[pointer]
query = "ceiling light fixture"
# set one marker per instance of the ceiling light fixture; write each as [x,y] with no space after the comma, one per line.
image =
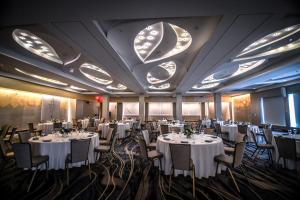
[206,86]
[42,78]
[35,45]
[160,87]
[117,87]
[153,35]
[95,74]
[170,68]
[77,88]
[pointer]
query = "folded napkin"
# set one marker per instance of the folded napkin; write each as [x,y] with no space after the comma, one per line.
[208,141]
[167,138]
[184,142]
[49,140]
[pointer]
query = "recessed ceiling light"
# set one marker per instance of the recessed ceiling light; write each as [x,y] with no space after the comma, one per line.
[206,86]
[42,77]
[95,74]
[169,67]
[155,34]
[117,87]
[160,87]
[77,88]
[33,44]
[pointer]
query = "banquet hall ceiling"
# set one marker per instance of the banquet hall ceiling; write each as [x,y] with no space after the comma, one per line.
[151,48]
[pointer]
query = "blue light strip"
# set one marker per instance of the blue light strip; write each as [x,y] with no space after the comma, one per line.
[262,110]
[292,110]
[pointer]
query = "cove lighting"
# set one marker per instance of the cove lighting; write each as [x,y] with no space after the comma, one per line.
[95,74]
[170,68]
[206,86]
[117,87]
[77,88]
[160,87]
[42,78]
[35,45]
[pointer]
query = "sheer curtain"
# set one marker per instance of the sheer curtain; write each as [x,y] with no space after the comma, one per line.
[130,109]
[160,109]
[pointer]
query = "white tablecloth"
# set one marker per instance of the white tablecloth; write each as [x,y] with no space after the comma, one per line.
[129,121]
[84,122]
[290,164]
[175,126]
[202,153]
[232,129]
[48,126]
[163,121]
[120,130]
[60,147]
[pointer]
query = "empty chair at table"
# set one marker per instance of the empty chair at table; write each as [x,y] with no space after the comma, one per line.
[57,126]
[6,153]
[259,147]
[164,128]
[24,136]
[104,149]
[181,160]
[150,145]
[175,129]
[242,129]
[91,129]
[5,129]
[91,122]
[223,135]
[232,162]
[286,149]
[79,153]
[24,159]
[238,138]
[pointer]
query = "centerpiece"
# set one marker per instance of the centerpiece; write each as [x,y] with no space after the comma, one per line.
[188,132]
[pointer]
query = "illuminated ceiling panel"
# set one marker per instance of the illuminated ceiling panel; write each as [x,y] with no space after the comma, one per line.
[35,45]
[95,74]
[149,39]
[117,87]
[205,86]
[161,73]
[77,88]
[160,87]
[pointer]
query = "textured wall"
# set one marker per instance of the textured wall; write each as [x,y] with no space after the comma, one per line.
[241,107]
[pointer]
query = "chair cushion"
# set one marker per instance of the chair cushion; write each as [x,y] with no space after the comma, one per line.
[154,154]
[104,142]
[229,150]
[265,146]
[37,160]
[225,159]
[152,145]
[102,149]
[10,154]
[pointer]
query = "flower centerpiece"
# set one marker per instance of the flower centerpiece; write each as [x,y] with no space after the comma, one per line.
[188,132]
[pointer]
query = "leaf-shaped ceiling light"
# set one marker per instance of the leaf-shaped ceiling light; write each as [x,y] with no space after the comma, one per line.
[149,39]
[117,87]
[161,73]
[95,74]
[281,41]
[205,86]
[42,78]
[160,87]
[35,45]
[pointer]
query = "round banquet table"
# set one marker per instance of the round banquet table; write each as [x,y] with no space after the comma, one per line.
[174,126]
[59,147]
[202,153]
[129,121]
[48,126]
[232,129]
[120,130]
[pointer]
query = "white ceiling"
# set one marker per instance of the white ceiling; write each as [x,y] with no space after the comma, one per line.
[103,34]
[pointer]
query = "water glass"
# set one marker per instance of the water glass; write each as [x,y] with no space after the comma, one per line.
[290,131]
[294,131]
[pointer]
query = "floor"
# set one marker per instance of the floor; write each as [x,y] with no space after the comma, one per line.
[122,175]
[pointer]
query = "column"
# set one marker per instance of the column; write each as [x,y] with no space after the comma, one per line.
[119,111]
[202,110]
[142,107]
[179,107]
[105,107]
[218,106]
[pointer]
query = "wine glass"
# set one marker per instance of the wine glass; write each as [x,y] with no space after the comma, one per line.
[294,131]
[290,131]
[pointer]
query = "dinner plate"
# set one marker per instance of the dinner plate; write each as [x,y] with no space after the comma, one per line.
[208,141]
[164,134]
[90,135]
[49,140]
[167,139]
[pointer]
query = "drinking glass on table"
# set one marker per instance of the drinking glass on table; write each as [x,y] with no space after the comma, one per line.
[290,131]
[294,131]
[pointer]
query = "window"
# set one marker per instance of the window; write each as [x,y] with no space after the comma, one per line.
[160,109]
[191,109]
[294,110]
[272,111]
[130,108]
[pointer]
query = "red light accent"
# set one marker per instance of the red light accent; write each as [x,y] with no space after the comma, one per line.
[99,99]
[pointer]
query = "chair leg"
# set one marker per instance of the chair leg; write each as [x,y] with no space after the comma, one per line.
[31,181]
[170,179]
[194,195]
[217,168]
[254,152]
[67,174]
[46,163]
[237,187]
[89,170]
[270,156]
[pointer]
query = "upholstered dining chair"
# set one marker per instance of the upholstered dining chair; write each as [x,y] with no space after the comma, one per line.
[267,134]
[223,135]
[91,129]
[105,149]
[5,151]
[5,129]
[10,138]
[24,136]
[57,126]
[238,138]
[209,131]
[286,149]
[232,162]
[150,145]
[259,147]
[242,129]
[181,160]
[154,130]
[79,153]
[24,159]
[164,128]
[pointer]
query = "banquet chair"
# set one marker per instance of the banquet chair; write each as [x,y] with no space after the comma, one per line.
[176,129]
[24,136]
[24,159]
[91,122]
[286,149]
[102,149]
[149,155]
[31,128]
[187,126]
[209,131]
[238,138]
[108,137]
[102,120]
[74,121]
[242,129]
[10,138]
[91,129]
[79,153]
[57,126]
[232,162]
[267,134]
[269,147]
[5,129]
[5,152]
[220,133]
[181,160]
[164,128]
[154,130]
[150,145]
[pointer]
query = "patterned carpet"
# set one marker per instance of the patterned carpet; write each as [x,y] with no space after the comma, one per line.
[122,175]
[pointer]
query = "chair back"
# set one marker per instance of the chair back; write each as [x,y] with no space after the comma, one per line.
[3,146]
[24,136]
[218,128]
[253,137]
[175,129]
[238,154]
[143,148]
[13,132]
[5,129]
[209,131]
[268,135]
[74,121]
[91,122]
[102,120]
[181,156]
[187,126]
[146,136]
[242,129]
[57,125]
[30,127]
[109,134]
[80,150]
[240,137]
[286,147]
[91,129]
[23,157]
[164,128]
